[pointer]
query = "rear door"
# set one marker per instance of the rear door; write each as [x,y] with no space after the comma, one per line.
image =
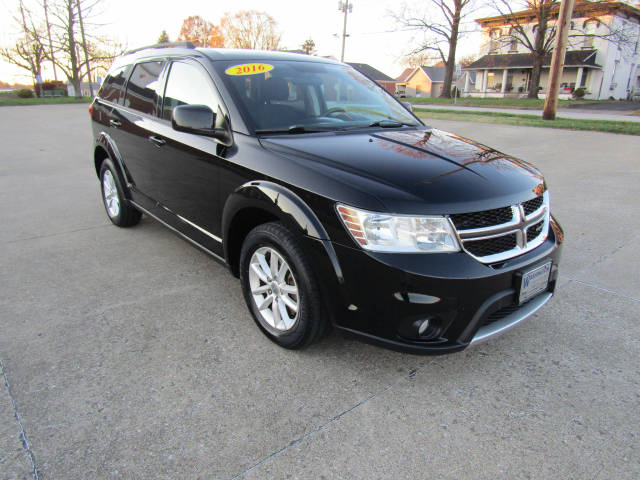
[135,122]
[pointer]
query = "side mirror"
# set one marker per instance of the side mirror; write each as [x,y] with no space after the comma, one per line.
[407,105]
[198,119]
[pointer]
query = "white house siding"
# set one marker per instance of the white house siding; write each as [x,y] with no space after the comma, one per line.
[620,74]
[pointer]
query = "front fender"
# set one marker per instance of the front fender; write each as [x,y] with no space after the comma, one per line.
[283,204]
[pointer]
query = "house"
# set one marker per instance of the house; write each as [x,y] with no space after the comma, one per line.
[603,54]
[85,89]
[385,81]
[426,81]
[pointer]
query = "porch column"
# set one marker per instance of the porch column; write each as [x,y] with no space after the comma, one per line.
[505,77]
[485,78]
[579,77]
[467,81]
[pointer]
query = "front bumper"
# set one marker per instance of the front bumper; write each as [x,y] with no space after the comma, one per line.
[383,296]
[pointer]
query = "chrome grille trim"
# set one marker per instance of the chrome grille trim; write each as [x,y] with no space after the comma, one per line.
[519,224]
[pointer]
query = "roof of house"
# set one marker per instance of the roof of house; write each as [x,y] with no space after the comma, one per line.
[405,75]
[371,72]
[574,58]
[435,74]
[581,9]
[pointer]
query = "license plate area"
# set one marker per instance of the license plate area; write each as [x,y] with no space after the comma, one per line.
[533,282]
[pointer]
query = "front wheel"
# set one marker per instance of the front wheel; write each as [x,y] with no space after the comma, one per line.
[280,288]
[118,209]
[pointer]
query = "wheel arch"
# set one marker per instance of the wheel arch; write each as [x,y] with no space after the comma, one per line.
[260,202]
[106,148]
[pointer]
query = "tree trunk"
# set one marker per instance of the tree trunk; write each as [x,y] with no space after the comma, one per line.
[84,46]
[77,86]
[76,75]
[534,82]
[48,24]
[450,64]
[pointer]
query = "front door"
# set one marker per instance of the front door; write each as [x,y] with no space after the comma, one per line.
[185,167]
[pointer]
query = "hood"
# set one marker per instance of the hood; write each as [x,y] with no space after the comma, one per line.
[419,171]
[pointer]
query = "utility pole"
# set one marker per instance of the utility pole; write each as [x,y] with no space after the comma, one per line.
[347,8]
[557,60]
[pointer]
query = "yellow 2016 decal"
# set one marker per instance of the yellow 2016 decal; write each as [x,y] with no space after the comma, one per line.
[249,69]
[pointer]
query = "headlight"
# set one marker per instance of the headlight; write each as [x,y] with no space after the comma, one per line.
[381,232]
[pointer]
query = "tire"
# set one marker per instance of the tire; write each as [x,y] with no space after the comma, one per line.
[118,209]
[308,325]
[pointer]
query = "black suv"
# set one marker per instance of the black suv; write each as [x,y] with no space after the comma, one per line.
[327,197]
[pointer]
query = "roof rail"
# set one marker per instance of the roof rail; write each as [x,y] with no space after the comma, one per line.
[164,45]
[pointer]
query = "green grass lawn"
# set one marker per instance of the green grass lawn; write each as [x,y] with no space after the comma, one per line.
[628,128]
[11,100]
[525,103]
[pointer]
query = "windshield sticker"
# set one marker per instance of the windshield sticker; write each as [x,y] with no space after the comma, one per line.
[249,69]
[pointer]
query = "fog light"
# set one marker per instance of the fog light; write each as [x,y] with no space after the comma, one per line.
[423,327]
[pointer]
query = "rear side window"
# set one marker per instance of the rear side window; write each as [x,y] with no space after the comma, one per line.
[113,85]
[188,85]
[143,87]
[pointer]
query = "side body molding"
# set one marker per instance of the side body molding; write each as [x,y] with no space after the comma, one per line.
[285,205]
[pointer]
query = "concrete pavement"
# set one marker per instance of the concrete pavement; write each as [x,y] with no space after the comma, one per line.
[130,354]
[562,113]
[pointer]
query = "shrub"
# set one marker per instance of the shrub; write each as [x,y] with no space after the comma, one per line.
[24,93]
[455,92]
[579,93]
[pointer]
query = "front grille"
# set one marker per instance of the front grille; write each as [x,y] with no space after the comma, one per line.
[534,231]
[491,246]
[492,236]
[486,218]
[532,205]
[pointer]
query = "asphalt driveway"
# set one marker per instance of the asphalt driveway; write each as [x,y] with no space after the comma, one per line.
[127,353]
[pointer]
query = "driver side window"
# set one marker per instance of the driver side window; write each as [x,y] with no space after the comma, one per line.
[188,85]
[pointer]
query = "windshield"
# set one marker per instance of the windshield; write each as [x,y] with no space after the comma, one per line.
[302,97]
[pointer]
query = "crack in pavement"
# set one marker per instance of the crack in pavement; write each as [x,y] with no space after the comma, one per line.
[302,438]
[23,435]
[411,374]
[613,292]
[37,237]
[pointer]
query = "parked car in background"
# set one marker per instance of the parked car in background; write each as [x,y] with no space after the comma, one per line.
[332,203]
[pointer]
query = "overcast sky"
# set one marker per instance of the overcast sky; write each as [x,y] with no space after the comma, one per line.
[374,38]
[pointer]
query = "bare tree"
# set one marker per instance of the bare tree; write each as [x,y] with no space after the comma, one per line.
[532,25]
[28,52]
[67,25]
[441,25]
[250,29]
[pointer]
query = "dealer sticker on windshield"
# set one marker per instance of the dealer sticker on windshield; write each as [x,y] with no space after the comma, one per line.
[248,69]
[534,282]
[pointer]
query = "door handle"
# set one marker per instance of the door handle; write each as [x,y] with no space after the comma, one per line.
[159,141]
[115,123]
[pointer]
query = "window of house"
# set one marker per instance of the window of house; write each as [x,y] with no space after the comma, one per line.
[143,87]
[188,85]
[494,40]
[589,27]
[112,86]
[513,40]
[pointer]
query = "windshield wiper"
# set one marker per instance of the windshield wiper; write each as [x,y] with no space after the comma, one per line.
[295,129]
[390,124]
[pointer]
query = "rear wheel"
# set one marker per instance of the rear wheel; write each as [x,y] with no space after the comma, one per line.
[280,288]
[119,211]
